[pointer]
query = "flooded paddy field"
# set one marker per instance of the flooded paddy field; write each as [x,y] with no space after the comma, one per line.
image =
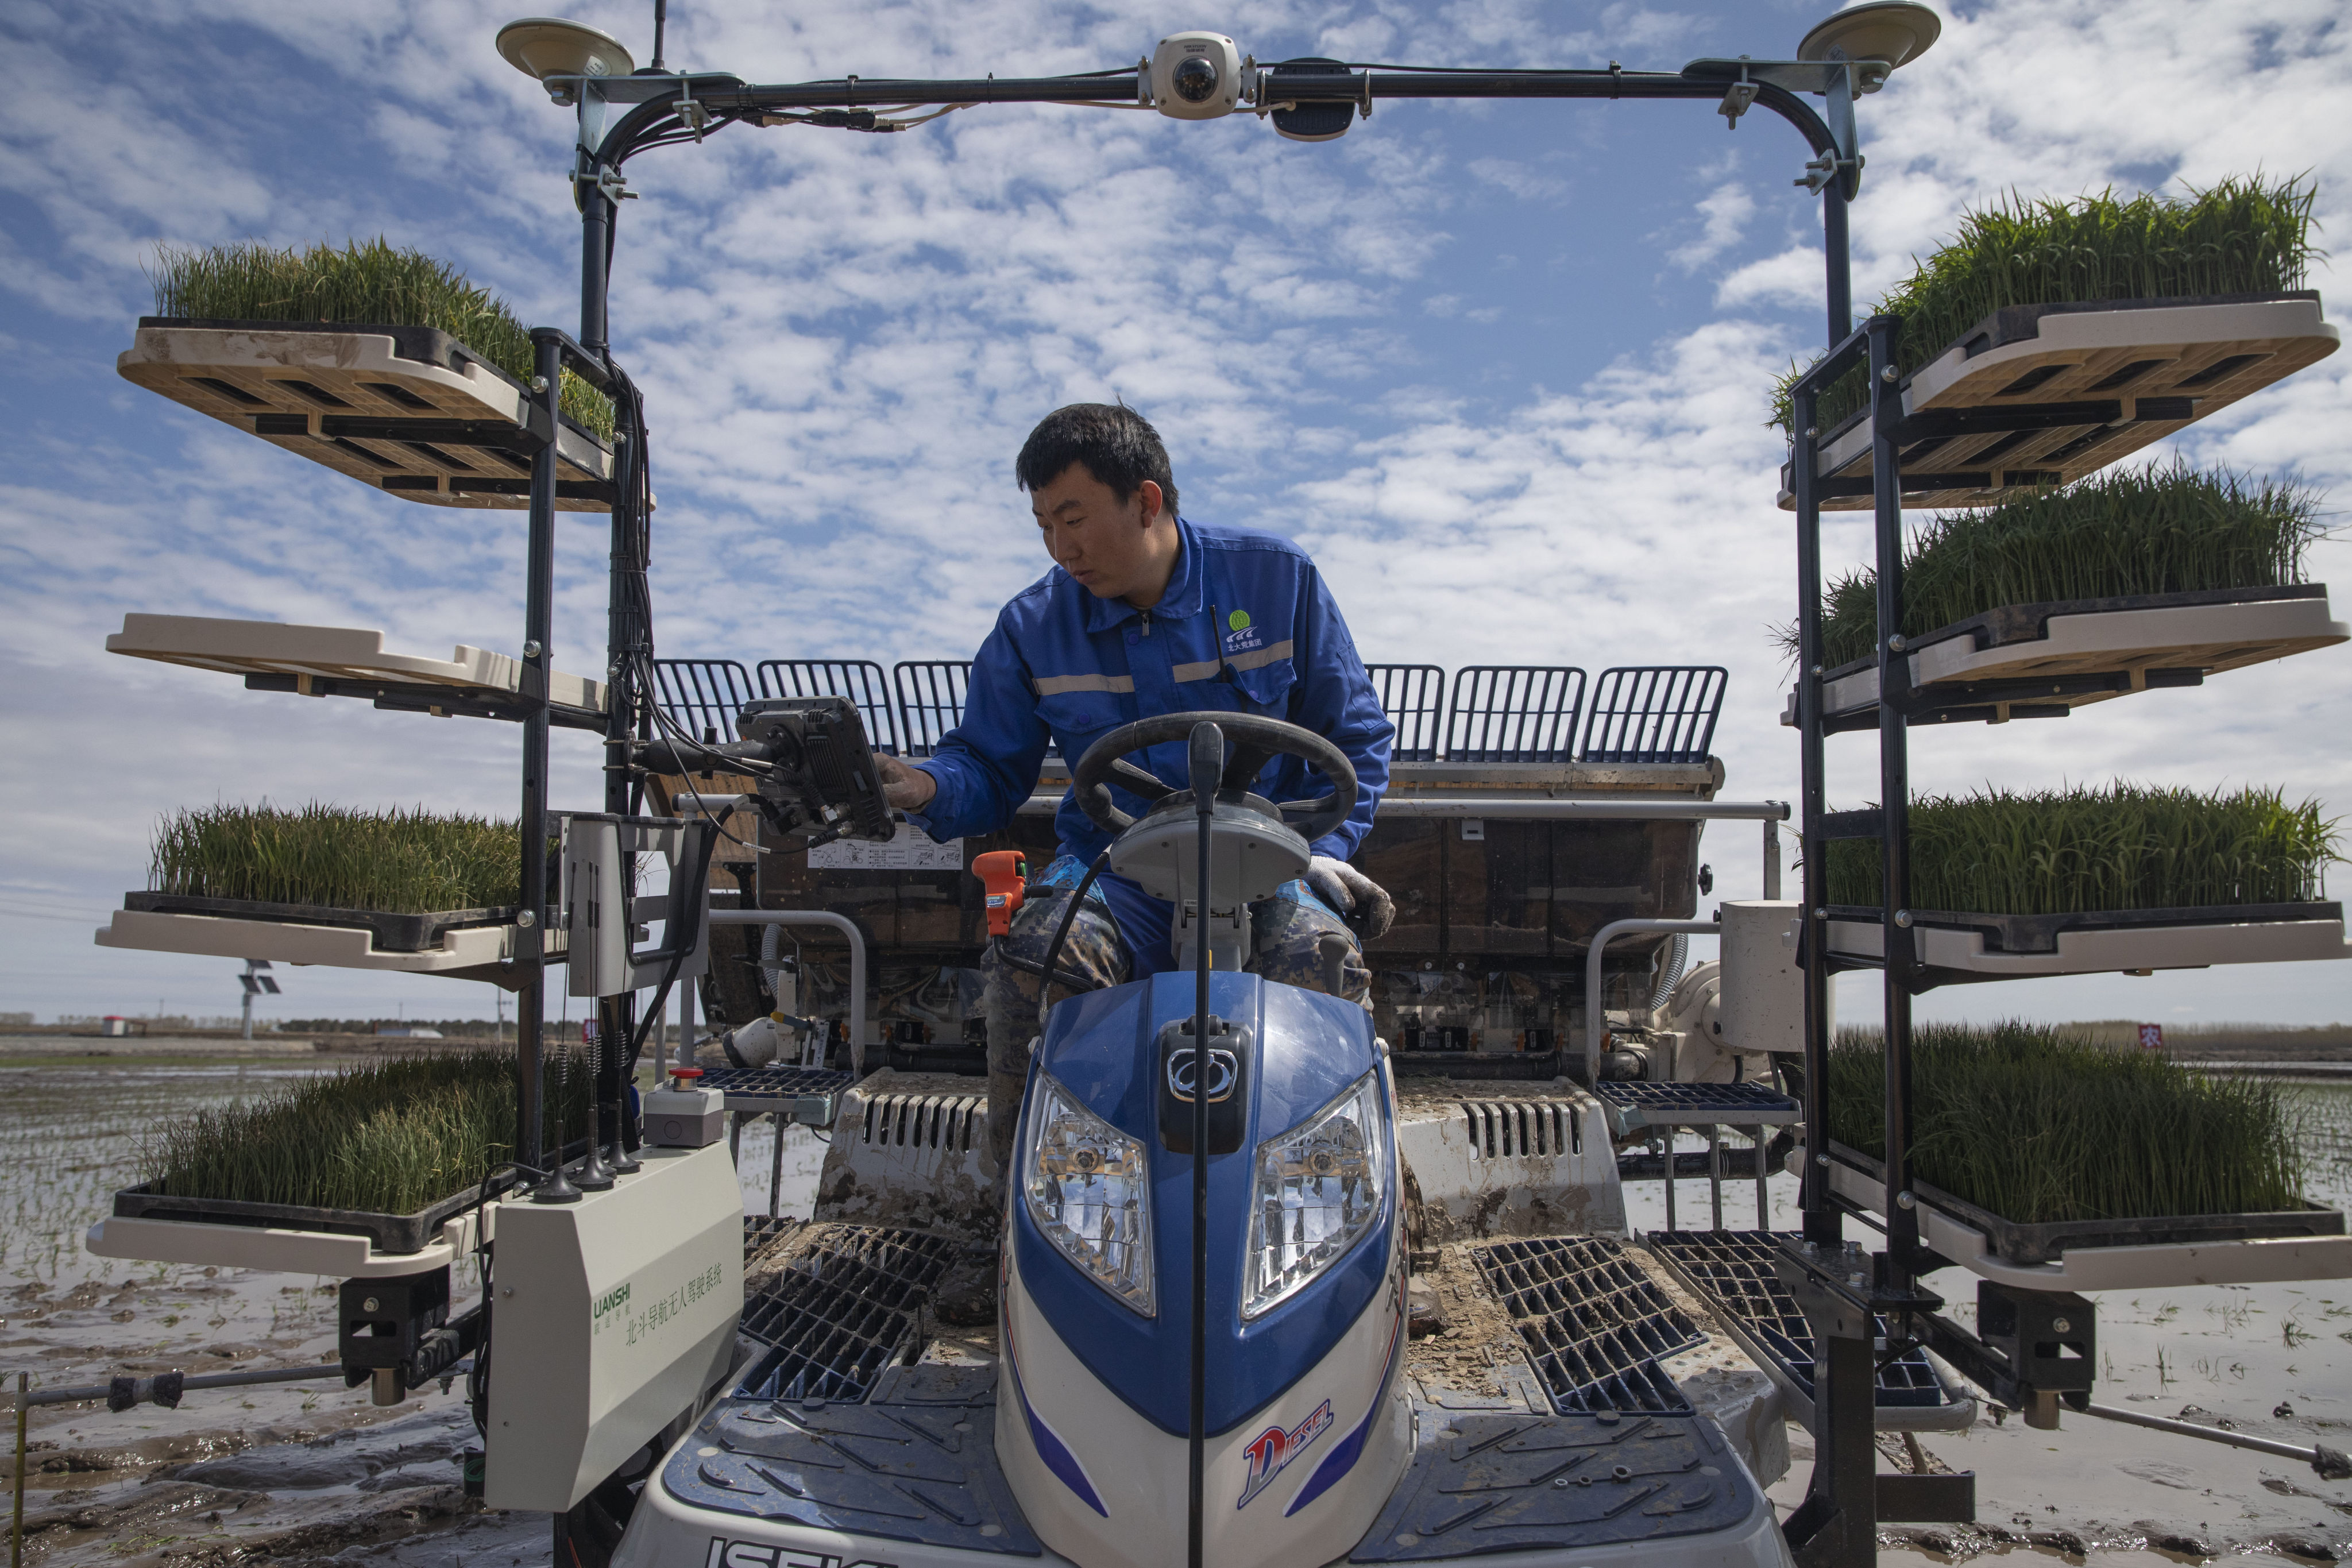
[313,1472]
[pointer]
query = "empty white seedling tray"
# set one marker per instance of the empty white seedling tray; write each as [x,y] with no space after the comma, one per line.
[335,654]
[201,1244]
[467,953]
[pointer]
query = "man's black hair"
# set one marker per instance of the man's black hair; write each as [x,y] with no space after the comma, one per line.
[1117,446]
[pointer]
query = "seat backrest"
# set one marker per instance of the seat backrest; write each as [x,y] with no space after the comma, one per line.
[1414,697]
[1514,713]
[930,700]
[859,679]
[1654,713]
[702,696]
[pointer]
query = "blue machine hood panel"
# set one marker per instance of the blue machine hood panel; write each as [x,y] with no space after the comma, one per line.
[1104,1048]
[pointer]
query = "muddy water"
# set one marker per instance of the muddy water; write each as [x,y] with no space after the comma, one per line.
[310,1472]
[290,1472]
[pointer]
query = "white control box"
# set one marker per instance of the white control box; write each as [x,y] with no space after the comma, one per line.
[609,1318]
[1763,1000]
[684,1117]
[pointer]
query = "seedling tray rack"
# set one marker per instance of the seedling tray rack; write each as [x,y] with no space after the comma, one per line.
[2034,395]
[2030,661]
[2028,398]
[406,410]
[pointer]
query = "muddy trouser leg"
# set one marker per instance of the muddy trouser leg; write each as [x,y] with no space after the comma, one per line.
[1009,997]
[1285,942]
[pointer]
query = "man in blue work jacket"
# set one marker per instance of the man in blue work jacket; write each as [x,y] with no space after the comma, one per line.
[1145,613]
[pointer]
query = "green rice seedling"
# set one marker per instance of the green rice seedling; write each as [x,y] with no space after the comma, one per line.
[365,284]
[2037,1125]
[394,862]
[388,1138]
[2163,528]
[2075,851]
[2243,236]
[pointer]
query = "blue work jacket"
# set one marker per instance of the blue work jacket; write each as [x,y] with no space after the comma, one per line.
[1065,666]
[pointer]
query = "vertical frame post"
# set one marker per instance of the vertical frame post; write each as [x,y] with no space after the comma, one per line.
[1894,792]
[1821,1223]
[538,658]
[1840,279]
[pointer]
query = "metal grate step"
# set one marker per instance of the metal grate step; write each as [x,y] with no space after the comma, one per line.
[1594,1325]
[1635,1105]
[1732,1270]
[760,1232]
[841,1312]
[774,1083]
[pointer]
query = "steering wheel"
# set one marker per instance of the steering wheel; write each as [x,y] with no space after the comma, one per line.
[1256,741]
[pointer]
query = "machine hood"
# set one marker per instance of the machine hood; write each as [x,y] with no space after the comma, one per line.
[1303,1049]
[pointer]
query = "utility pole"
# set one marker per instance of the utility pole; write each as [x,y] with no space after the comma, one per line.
[255,984]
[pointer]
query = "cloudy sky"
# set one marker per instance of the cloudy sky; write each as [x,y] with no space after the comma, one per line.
[1503,368]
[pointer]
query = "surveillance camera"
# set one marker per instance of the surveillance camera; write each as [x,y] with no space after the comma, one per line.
[1196,76]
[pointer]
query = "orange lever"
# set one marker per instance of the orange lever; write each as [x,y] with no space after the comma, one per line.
[1004,874]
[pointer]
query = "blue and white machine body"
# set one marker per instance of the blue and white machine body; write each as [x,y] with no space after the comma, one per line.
[1202,1239]
[1308,1433]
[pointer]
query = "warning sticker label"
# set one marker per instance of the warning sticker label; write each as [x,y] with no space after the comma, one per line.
[911,851]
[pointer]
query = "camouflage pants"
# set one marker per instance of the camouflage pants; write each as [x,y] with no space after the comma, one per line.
[1284,931]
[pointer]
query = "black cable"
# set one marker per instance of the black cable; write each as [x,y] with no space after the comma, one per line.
[1054,953]
[477,1375]
[1068,977]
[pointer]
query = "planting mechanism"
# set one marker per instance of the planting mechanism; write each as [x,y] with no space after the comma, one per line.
[1188,1323]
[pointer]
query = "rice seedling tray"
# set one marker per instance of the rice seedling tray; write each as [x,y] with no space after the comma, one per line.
[394,932]
[2007,1242]
[1954,947]
[2046,659]
[351,661]
[2035,396]
[396,1234]
[407,410]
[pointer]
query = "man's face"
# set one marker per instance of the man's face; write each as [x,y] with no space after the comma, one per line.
[1104,543]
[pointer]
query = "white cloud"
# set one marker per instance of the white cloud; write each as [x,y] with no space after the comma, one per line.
[1723,214]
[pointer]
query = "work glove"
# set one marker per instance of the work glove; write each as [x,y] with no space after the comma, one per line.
[1352,892]
[904,785]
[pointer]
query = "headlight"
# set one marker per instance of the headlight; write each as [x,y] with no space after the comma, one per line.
[1089,1192]
[1319,1190]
